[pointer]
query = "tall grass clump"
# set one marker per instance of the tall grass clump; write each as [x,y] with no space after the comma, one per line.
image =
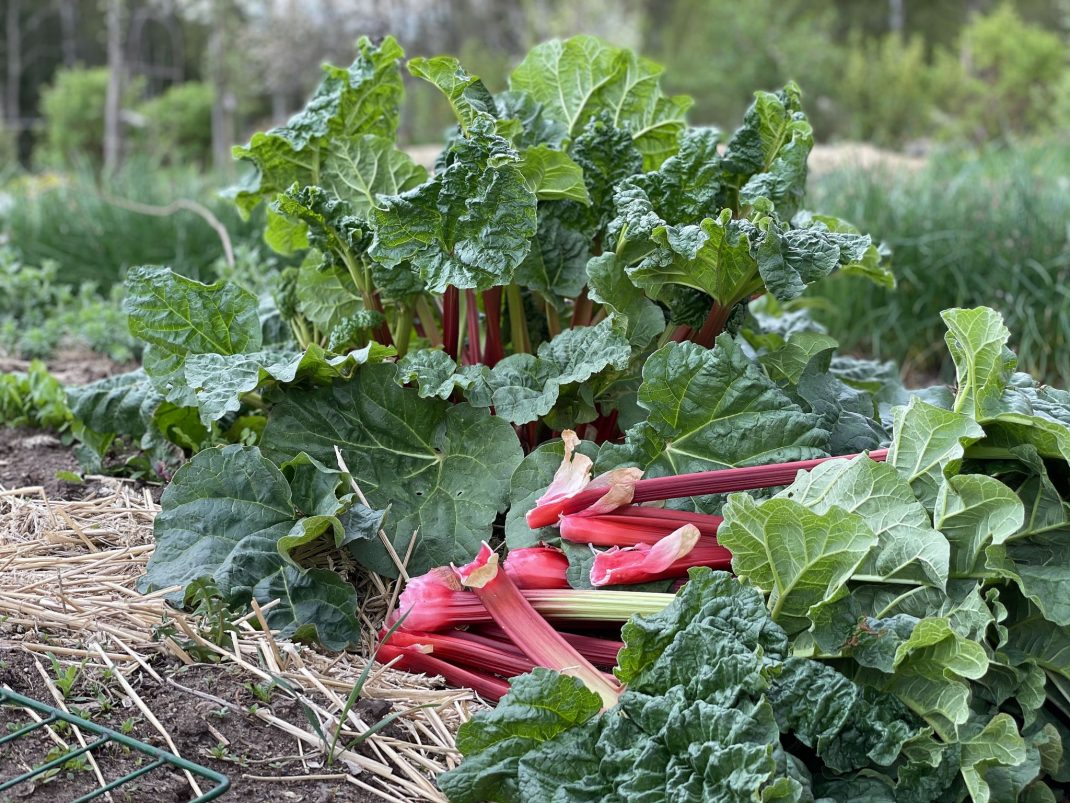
[968,229]
[96,228]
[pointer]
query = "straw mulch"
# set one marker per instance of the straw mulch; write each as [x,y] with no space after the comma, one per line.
[67,587]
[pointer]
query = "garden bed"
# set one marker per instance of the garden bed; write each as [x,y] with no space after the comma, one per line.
[75,632]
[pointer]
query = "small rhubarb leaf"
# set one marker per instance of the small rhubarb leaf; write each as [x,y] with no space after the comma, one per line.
[539,706]
[530,481]
[536,127]
[977,340]
[443,469]
[710,409]
[555,265]
[469,226]
[801,557]
[552,175]
[525,387]
[468,96]
[434,373]
[974,511]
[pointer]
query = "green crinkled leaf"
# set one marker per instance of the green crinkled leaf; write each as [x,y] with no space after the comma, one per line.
[928,443]
[800,557]
[434,373]
[469,226]
[525,387]
[998,744]
[789,259]
[581,77]
[908,547]
[120,404]
[364,99]
[711,409]
[360,168]
[539,706]
[466,93]
[536,127]
[607,284]
[325,294]
[555,265]
[973,511]
[443,469]
[977,340]
[315,487]
[688,185]
[608,157]
[787,363]
[552,175]
[223,518]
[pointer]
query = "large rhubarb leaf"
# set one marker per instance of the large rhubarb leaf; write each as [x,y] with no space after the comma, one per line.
[800,557]
[470,225]
[710,409]
[609,285]
[442,469]
[552,175]
[228,517]
[360,168]
[467,95]
[555,265]
[974,511]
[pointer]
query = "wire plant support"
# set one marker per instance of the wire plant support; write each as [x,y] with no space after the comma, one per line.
[50,716]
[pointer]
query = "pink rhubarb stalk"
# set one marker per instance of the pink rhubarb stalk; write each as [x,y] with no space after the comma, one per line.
[537,567]
[668,559]
[631,525]
[529,631]
[466,649]
[592,501]
[413,659]
[436,601]
[599,651]
[573,477]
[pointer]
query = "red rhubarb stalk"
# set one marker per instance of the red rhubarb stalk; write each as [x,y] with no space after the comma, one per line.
[451,319]
[631,525]
[475,355]
[537,567]
[700,483]
[414,660]
[668,559]
[599,651]
[529,631]
[459,647]
[492,308]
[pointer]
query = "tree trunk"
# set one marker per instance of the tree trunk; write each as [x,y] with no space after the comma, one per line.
[68,24]
[14,64]
[113,101]
[897,16]
[224,102]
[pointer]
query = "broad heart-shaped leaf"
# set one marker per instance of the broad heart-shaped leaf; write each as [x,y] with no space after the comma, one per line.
[977,340]
[325,293]
[552,175]
[800,557]
[525,387]
[973,511]
[466,93]
[928,443]
[997,745]
[908,548]
[581,77]
[180,315]
[219,380]
[469,226]
[224,517]
[607,284]
[358,169]
[528,483]
[710,409]
[442,469]
[539,706]
[364,99]
[1032,638]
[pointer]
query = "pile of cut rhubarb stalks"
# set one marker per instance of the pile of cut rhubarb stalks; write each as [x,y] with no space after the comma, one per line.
[477,625]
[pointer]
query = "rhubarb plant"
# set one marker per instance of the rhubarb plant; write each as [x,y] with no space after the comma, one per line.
[577,257]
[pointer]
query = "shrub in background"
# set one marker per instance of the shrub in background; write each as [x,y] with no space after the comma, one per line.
[968,229]
[177,126]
